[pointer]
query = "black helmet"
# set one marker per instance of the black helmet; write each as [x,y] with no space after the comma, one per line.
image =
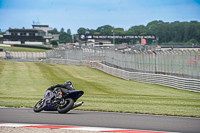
[68,83]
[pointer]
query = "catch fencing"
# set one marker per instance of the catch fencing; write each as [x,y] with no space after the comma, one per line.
[25,56]
[177,68]
[180,63]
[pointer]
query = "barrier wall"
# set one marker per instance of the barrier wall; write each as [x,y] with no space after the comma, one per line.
[160,79]
[11,42]
[34,43]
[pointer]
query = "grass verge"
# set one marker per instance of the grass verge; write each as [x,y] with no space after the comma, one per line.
[22,49]
[22,84]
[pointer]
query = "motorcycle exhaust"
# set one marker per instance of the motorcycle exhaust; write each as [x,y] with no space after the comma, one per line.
[77,105]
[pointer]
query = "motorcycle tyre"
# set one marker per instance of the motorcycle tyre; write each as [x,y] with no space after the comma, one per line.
[40,108]
[67,108]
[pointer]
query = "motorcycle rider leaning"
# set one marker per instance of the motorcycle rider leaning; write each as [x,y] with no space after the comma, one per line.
[60,88]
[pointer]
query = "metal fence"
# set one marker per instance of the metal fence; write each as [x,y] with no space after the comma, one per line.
[177,63]
[78,54]
[24,56]
[178,68]
[180,63]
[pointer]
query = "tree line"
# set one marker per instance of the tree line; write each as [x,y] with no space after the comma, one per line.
[167,33]
[64,37]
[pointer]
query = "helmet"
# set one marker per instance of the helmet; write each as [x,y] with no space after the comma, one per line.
[68,83]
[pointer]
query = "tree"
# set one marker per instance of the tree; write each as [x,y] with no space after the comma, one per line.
[69,31]
[137,30]
[192,41]
[155,22]
[81,31]
[64,37]
[62,30]
[176,31]
[194,31]
[105,30]
[186,29]
[119,31]
[92,31]
[54,31]
[163,30]
[54,43]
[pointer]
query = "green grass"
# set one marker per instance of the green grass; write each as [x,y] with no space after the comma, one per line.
[22,49]
[22,84]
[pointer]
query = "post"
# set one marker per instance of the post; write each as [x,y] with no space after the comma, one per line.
[183,64]
[85,42]
[155,64]
[155,61]
[113,37]
[72,38]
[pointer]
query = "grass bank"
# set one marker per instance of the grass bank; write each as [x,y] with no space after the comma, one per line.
[22,84]
[22,49]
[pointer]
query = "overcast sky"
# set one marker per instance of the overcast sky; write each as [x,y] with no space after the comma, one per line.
[73,14]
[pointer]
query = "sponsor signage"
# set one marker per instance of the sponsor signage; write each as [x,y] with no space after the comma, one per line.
[152,37]
[144,41]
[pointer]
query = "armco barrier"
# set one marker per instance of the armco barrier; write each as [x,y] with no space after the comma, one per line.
[160,79]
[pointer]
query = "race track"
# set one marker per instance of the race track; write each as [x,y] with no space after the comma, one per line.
[102,119]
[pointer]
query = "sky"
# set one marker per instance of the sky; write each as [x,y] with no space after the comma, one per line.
[74,14]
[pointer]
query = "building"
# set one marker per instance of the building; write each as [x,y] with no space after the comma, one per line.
[37,36]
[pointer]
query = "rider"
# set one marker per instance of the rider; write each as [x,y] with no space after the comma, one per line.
[60,88]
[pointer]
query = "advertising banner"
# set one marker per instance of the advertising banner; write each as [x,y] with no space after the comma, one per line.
[83,37]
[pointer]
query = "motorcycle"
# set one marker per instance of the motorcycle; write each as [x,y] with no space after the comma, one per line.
[63,105]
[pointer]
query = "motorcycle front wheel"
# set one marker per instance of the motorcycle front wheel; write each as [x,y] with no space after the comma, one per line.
[38,106]
[66,106]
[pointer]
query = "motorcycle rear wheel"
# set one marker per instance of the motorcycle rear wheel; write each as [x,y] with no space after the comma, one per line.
[38,106]
[66,107]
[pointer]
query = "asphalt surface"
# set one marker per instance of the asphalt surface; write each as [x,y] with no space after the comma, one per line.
[102,119]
